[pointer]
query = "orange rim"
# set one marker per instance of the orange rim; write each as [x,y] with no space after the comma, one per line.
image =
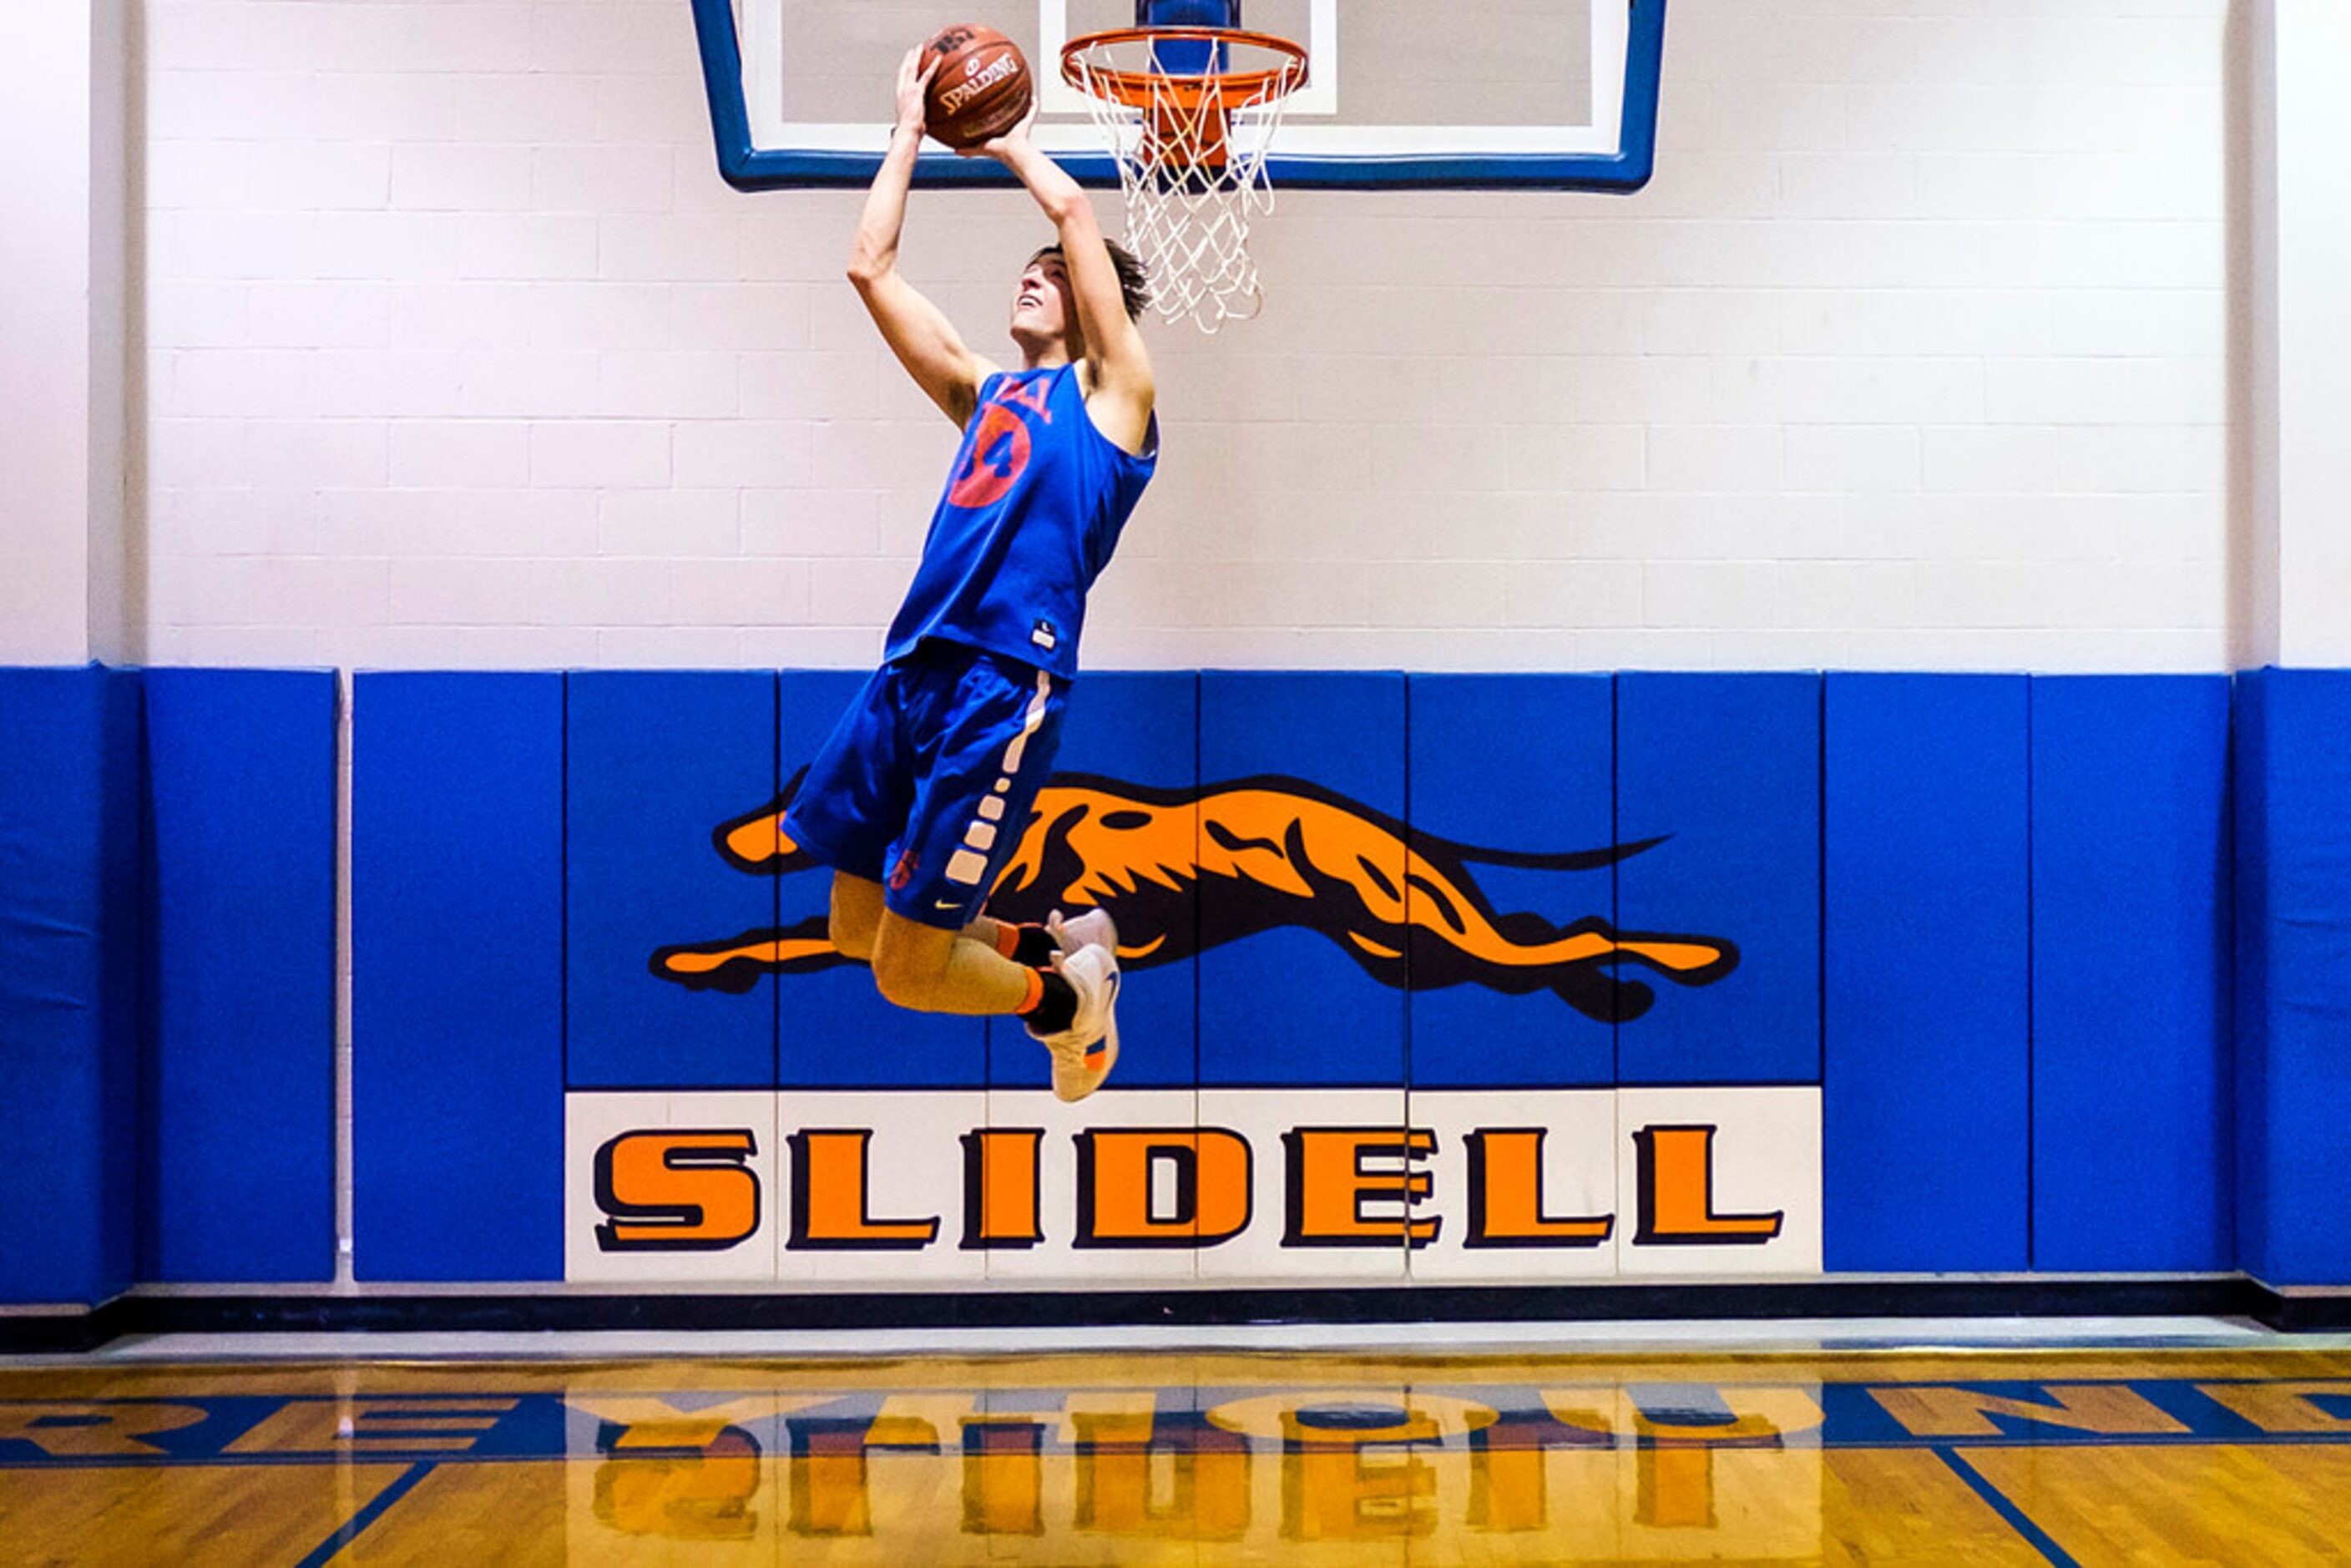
[1142,90]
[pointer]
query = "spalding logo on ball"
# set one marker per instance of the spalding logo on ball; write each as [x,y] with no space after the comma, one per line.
[981,89]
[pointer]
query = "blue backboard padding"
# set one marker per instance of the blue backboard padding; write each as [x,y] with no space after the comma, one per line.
[2295,756]
[653,763]
[71,897]
[237,1146]
[1143,731]
[1288,1005]
[458,976]
[2130,973]
[1924,1137]
[1627,169]
[1518,765]
[836,1031]
[1727,769]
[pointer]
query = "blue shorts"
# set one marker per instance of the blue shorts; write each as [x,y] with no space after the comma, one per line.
[927,780]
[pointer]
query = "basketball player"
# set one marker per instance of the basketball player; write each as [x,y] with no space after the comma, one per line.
[921,793]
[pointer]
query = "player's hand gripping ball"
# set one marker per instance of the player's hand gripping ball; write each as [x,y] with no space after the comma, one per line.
[981,88]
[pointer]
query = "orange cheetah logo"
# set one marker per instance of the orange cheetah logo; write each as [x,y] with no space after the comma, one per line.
[1182,870]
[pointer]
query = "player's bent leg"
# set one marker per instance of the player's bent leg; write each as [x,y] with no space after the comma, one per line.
[935,970]
[1030,946]
[931,969]
[856,917]
[1035,946]
[996,731]
[999,935]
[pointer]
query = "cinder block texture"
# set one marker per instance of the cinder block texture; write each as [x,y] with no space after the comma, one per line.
[1910,278]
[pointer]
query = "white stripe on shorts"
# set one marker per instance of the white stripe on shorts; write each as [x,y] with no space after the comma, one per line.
[967,866]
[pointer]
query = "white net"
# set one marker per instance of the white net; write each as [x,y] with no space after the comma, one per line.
[1191,146]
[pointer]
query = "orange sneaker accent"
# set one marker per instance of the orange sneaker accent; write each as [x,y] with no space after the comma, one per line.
[1036,993]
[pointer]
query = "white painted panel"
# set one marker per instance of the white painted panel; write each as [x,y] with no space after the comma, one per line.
[1264,1117]
[914,1172]
[1578,1165]
[1057,1188]
[1764,1155]
[593,1121]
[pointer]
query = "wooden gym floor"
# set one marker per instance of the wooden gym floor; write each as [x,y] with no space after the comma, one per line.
[1987,1457]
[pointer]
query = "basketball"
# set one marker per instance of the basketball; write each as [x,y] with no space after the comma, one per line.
[982,88]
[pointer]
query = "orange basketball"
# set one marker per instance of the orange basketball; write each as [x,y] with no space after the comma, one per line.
[982,89]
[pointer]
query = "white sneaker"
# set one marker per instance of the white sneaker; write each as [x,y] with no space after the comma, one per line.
[1085,1053]
[1091,929]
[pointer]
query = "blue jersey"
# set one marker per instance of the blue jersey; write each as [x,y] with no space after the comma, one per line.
[1030,516]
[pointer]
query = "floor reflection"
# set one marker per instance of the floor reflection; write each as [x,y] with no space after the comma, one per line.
[1631,1470]
[703,1497]
[1203,1459]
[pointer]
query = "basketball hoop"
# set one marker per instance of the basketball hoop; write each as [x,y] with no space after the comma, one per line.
[1189,113]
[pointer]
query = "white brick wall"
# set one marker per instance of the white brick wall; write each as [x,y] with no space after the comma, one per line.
[1913,355]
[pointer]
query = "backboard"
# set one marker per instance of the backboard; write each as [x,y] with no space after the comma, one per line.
[1542,94]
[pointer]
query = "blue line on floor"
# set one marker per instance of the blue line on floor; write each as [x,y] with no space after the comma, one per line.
[2017,1519]
[375,1509]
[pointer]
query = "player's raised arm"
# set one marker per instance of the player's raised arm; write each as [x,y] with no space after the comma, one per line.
[1122,391]
[924,339]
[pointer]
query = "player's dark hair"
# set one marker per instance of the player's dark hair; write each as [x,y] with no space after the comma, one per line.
[1133,278]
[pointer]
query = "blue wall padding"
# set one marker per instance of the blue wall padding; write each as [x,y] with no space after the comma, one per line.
[2294,765]
[836,1030]
[2131,1096]
[122,870]
[1727,769]
[1123,793]
[1924,1137]
[458,976]
[1520,766]
[70,941]
[1322,758]
[2249,804]
[237,1146]
[653,763]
